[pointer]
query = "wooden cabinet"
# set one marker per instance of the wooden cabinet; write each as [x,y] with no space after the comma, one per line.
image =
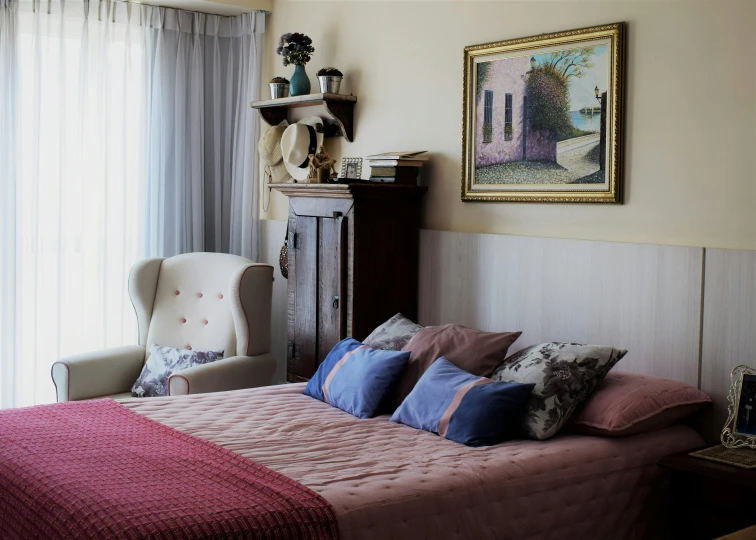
[353,263]
[708,499]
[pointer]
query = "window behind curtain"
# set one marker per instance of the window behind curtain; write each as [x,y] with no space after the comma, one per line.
[488,116]
[80,191]
[99,84]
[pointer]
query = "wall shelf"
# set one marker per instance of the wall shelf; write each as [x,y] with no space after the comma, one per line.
[340,109]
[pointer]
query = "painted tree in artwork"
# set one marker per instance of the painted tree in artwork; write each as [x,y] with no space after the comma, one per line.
[548,88]
[548,102]
[570,62]
[483,69]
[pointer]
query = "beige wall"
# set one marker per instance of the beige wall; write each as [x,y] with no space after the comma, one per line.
[691,108]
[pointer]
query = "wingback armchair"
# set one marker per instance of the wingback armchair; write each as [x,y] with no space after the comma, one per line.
[200,301]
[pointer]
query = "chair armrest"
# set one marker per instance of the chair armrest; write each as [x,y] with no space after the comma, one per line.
[98,373]
[227,374]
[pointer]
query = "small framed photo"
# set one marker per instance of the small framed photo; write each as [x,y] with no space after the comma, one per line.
[740,429]
[745,422]
[351,168]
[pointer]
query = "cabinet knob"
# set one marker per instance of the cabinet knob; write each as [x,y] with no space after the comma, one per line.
[335,302]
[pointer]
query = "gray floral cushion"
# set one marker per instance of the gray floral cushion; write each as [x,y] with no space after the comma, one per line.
[164,362]
[564,374]
[392,335]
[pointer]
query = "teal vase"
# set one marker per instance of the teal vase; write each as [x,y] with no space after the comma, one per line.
[300,82]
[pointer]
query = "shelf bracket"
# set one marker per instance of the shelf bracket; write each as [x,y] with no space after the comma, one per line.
[339,117]
[343,113]
[273,115]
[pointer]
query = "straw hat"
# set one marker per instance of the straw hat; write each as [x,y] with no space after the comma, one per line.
[298,142]
[270,152]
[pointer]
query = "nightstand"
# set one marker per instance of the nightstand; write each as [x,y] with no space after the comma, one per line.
[708,499]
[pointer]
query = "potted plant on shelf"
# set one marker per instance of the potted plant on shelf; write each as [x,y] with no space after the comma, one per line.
[330,80]
[297,49]
[279,87]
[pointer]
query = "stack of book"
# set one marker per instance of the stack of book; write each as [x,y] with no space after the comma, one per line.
[396,167]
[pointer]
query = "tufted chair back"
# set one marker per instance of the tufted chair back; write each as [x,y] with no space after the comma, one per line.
[203,301]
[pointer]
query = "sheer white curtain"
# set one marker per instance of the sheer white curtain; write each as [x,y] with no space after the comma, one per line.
[112,147]
[74,196]
[8,154]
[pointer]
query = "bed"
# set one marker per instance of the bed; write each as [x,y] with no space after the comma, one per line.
[386,480]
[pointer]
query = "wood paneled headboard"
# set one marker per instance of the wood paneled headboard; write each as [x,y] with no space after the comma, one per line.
[641,297]
[685,313]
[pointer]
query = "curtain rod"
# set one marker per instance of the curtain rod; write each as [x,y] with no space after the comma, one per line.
[189,10]
[86,2]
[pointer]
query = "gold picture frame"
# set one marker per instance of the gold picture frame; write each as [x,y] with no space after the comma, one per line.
[517,128]
[740,429]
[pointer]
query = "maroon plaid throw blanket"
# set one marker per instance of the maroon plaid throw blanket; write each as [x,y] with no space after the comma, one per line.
[98,470]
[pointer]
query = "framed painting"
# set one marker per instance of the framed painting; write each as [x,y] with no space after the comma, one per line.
[543,118]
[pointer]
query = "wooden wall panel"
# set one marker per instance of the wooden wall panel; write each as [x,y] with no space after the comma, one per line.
[645,298]
[729,336]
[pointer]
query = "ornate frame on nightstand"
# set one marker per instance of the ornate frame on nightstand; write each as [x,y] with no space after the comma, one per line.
[730,437]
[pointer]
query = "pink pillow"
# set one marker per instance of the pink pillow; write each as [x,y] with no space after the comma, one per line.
[630,403]
[472,350]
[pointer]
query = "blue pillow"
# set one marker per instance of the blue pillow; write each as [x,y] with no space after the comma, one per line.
[462,407]
[354,377]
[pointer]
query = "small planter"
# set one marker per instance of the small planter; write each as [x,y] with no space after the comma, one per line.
[279,90]
[329,84]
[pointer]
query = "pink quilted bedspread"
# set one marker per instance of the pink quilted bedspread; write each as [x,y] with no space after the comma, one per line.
[98,470]
[388,481]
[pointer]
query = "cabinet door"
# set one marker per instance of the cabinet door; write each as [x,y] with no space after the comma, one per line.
[331,284]
[302,361]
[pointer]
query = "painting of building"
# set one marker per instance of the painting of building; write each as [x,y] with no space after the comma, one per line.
[539,118]
[504,135]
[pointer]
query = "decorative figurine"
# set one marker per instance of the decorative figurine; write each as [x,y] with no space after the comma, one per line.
[321,166]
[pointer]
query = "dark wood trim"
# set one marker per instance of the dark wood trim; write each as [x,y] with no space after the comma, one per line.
[350,191]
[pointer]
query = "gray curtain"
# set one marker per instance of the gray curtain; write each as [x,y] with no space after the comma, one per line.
[201,154]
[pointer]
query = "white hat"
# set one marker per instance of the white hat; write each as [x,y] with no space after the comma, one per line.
[270,152]
[298,142]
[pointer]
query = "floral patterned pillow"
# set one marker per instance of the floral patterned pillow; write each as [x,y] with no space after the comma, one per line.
[564,374]
[392,335]
[164,362]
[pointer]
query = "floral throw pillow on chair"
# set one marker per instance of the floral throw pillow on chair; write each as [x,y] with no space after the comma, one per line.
[564,374]
[164,362]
